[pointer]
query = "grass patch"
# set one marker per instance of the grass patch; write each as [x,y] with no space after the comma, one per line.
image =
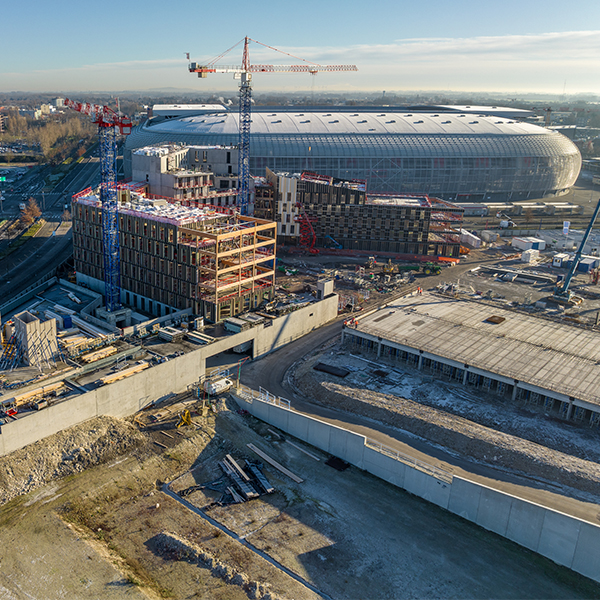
[33,229]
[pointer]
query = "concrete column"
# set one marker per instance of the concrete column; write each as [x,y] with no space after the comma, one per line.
[570,409]
[378,349]
[514,393]
[420,364]
[465,376]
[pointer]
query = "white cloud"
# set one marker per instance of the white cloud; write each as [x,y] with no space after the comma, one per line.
[540,62]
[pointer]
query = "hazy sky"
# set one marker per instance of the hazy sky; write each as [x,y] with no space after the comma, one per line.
[511,46]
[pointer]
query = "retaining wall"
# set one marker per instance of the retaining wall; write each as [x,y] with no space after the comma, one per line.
[127,396]
[566,540]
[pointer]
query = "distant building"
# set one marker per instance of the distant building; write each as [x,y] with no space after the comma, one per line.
[461,153]
[175,257]
[59,102]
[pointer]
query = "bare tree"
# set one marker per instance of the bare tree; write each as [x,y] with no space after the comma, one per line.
[66,216]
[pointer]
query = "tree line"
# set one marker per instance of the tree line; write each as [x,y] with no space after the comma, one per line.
[58,137]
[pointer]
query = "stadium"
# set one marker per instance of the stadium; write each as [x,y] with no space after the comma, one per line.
[454,153]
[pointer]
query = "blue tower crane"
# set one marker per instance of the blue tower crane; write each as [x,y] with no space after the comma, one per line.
[108,122]
[244,74]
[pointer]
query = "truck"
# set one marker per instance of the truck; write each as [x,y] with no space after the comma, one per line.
[218,386]
[427,268]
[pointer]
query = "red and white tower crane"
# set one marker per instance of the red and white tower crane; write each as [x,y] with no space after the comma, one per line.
[108,122]
[244,74]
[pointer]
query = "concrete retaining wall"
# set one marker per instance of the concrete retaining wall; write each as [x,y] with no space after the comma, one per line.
[562,538]
[127,396]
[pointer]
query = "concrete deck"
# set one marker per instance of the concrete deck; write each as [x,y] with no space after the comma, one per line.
[551,355]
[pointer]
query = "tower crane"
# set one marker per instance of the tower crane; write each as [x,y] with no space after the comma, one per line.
[244,74]
[108,122]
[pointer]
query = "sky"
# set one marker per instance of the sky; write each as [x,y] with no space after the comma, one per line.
[513,47]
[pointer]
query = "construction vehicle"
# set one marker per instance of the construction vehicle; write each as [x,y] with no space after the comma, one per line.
[185,418]
[562,294]
[218,386]
[335,243]
[389,268]
[430,268]
[244,74]
[427,268]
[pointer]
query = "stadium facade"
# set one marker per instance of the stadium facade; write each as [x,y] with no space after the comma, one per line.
[457,154]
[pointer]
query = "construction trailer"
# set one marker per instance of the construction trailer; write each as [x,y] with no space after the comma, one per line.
[175,257]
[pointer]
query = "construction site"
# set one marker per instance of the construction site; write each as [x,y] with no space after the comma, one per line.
[316,211]
[288,388]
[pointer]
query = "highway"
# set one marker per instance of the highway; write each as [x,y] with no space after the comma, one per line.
[81,175]
[271,371]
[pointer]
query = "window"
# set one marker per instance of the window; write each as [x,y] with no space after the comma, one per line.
[283,229]
[292,228]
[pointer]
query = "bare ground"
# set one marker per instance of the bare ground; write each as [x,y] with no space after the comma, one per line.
[486,428]
[107,531]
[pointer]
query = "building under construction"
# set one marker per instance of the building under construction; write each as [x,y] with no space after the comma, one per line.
[192,175]
[317,210]
[174,257]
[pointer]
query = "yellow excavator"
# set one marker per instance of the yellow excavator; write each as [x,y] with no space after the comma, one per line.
[185,418]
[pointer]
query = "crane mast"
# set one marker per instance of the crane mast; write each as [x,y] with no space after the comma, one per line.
[108,122]
[244,74]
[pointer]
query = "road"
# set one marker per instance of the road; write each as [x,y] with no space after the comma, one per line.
[34,259]
[81,175]
[270,373]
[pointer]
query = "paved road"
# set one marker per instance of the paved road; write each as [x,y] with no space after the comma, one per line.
[270,373]
[20,270]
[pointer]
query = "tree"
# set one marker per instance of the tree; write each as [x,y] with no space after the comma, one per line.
[30,213]
[66,216]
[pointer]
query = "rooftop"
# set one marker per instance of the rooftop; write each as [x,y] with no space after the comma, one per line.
[544,353]
[390,121]
[160,210]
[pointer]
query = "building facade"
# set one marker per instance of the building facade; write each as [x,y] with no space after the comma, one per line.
[174,257]
[342,216]
[192,175]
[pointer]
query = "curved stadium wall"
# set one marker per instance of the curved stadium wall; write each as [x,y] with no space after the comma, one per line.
[452,156]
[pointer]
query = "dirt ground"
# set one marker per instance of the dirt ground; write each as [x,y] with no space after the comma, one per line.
[484,427]
[110,532]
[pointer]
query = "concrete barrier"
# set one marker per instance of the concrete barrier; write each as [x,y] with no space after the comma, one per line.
[564,539]
[384,467]
[127,396]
